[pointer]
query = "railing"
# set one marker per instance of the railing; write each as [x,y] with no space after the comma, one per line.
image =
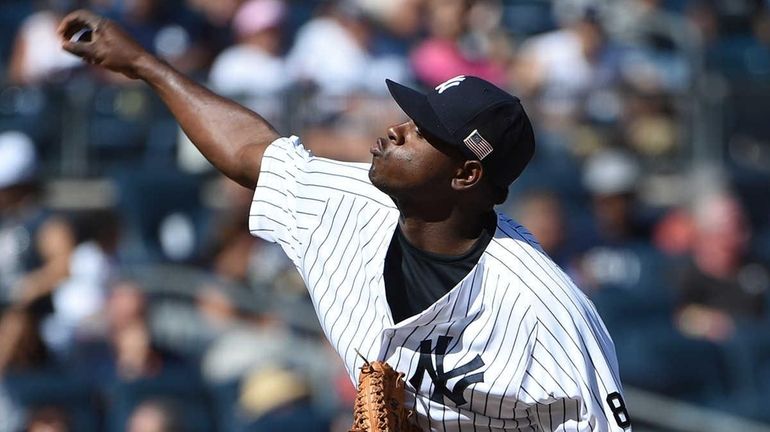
[654,413]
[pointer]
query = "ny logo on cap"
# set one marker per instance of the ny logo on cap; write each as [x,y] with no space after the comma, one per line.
[452,82]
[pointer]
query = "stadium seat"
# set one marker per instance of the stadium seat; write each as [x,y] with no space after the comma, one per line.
[225,398]
[53,388]
[656,357]
[34,111]
[181,386]
[12,13]
[526,17]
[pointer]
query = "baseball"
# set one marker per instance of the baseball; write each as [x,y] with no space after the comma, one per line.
[82,35]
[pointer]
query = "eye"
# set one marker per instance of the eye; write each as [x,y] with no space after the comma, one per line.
[417,131]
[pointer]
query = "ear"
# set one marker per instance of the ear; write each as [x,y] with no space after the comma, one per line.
[468,175]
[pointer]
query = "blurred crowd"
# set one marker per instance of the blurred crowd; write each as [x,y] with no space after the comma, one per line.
[132,296]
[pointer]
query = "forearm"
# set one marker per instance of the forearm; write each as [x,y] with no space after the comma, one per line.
[230,136]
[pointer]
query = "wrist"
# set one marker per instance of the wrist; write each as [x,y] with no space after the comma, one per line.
[146,66]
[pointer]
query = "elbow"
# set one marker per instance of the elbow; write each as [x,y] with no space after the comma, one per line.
[248,161]
[247,181]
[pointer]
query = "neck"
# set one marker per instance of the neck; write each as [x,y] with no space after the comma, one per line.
[452,232]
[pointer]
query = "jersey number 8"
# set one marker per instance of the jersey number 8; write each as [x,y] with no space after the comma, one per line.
[618,409]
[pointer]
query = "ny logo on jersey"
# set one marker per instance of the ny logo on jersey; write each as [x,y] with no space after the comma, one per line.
[452,82]
[439,377]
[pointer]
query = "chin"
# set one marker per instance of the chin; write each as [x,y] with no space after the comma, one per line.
[375,179]
[380,183]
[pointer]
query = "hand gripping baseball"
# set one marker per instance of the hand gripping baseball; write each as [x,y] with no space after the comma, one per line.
[99,41]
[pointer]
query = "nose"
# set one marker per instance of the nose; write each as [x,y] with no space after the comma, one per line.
[396,134]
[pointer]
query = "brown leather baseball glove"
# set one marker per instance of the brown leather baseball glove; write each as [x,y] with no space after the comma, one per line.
[379,405]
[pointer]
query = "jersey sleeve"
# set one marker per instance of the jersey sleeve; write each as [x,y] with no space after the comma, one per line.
[572,381]
[569,390]
[294,192]
[281,212]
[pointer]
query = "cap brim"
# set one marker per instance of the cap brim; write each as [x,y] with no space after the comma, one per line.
[417,107]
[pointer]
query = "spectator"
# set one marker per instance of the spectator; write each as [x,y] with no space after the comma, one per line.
[615,250]
[164,30]
[721,285]
[612,177]
[218,13]
[78,299]
[31,236]
[155,415]
[542,213]
[620,71]
[253,71]
[245,341]
[275,399]
[399,22]
[11,412]
[662,45]
[48,419]
[37,56]
[450,50]
[560,68]
[34,257]
[332,52]
[234,254]
[215,22]
[126,352]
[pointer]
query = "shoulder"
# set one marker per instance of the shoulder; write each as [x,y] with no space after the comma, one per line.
[553,296]
[287,151]
[513,244]
[326,177]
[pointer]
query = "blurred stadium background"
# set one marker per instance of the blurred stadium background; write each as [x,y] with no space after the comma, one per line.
[133,298]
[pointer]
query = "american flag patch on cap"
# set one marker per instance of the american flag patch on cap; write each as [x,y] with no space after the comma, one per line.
[478,145]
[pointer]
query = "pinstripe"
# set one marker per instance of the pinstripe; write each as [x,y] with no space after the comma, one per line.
[314,208]
[562,286]
[317,254]
[552,270]
[569,337]
[571,316]
[368,304]
[339,260]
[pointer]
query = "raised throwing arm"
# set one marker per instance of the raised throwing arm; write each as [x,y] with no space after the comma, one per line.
[232,137]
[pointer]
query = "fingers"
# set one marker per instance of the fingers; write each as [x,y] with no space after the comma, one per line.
[84,50]
[79,23]
[76,21]
[81,17]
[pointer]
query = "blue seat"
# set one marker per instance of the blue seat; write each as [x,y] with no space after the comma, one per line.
[34,111]
[299,416]
[225,399]
[526,17]
[147,196]
[53,388]
[12,13]
[747,357]
[118,123]
[657,358]
[182,386]
[740,57]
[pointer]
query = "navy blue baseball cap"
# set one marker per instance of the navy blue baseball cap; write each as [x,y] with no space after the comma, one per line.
[481,120]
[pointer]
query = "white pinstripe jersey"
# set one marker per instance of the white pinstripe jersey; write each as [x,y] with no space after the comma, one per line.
[514,346]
